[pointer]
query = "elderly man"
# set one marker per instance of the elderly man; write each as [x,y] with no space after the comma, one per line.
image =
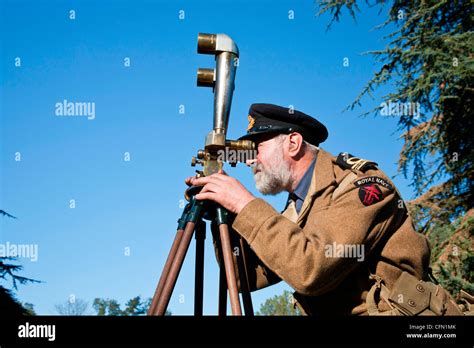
[345,234]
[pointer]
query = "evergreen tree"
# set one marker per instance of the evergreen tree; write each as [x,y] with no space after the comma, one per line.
[429,58]
[279,305]
[452,255]
[8,303]
[29,307]
[134,306]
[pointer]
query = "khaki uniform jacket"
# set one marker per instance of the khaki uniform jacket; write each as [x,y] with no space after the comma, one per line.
[297,252]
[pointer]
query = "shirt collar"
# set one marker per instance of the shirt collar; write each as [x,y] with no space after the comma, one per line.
[303,186]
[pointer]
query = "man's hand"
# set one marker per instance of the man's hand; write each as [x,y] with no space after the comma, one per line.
[224,190]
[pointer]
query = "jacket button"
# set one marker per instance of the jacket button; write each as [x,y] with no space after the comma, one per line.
[420,288]
[411,303]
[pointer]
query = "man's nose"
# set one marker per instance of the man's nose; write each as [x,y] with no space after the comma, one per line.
[251,162]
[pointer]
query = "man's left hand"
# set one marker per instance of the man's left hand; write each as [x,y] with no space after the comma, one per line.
[224,190]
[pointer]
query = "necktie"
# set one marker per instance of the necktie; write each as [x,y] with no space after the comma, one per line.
[290,212]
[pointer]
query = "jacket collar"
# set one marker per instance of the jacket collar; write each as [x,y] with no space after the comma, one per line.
[323,177]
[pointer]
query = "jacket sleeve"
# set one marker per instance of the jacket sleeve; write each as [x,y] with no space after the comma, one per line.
[301,256]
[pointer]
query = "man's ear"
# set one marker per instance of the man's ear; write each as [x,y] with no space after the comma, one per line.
[295,144]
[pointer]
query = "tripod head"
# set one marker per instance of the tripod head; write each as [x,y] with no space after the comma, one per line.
[217,149]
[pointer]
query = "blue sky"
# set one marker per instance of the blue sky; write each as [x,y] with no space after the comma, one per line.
[136,204]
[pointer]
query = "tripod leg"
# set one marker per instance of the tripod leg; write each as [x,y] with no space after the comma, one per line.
[222,309]
[222,289]
[199,270]
[165,297]
[164,275]
[229,269]
[244,282]
[166,270]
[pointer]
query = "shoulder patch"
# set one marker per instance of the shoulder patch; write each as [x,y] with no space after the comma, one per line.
[348,161]
[370,194]
[373,180]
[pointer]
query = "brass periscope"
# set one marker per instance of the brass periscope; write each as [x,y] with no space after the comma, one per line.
[221,79]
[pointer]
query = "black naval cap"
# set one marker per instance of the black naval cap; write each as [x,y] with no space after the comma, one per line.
[269,118]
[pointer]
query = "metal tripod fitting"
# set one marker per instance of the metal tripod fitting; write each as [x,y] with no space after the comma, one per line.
[195,210]
[184,217]
[222,216]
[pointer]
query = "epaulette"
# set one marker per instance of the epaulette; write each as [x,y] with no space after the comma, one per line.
[348,161]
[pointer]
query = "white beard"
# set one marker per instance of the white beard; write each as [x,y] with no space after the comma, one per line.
[277,177]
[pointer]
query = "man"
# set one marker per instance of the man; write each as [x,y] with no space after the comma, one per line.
[345,230]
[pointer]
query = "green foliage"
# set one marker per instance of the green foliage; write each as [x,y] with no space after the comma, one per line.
[279,305]
[8,271]
[134,306]
[429,60]
[106,307]
[10,306]
[452,256]
[4,213]
[29,307]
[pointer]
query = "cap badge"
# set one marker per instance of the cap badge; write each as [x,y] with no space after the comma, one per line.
[251,122]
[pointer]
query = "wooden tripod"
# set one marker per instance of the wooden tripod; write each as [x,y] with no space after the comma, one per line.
[192,221]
